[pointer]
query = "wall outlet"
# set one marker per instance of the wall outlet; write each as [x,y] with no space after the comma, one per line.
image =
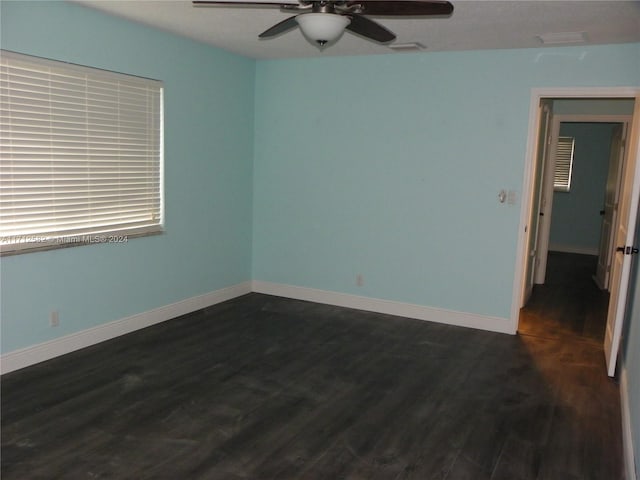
[54,318]
[359,280]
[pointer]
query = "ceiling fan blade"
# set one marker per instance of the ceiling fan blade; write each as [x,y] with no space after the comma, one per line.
[401,7]
[278,28]
[208,3]
[370,29]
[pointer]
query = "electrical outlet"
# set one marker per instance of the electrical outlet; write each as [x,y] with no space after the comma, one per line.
[54,318]
[359,280]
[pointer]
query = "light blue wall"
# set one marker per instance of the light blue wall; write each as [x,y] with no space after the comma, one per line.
[209,108]
[576,220]
[390,166]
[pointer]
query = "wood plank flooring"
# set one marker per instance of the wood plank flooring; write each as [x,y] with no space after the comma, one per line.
[569,305]
[262,387]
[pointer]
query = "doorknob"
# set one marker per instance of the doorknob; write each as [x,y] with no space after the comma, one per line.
[627,250]
[602,212]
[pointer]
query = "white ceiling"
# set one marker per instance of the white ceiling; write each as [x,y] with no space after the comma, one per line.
[474,25]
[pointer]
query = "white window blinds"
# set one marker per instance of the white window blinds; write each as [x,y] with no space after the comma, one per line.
[80,153]
[564,164]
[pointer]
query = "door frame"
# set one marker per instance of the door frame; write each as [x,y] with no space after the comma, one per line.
[549,167]
[543,134]
[616,158]
[537,94]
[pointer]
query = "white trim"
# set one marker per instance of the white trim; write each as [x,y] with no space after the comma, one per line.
[585,92]
[25,357]
[592,118]
[558,247]
[627,436]
[420,312]
[41,352]
[538,94]
[525,209]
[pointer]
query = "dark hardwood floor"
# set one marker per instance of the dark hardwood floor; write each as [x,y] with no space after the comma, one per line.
[569,305]
[264,388]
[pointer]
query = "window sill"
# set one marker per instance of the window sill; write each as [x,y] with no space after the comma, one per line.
[44,245]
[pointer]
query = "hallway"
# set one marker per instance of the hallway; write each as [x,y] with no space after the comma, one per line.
[569,305]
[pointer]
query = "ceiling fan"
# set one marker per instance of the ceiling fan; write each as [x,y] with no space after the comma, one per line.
[323,22]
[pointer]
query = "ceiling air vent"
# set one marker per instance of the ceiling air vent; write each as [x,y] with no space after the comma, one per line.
[407,47]
[562,38]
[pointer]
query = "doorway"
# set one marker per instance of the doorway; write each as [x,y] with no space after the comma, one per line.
[532,206]
[580,178]
[579,209]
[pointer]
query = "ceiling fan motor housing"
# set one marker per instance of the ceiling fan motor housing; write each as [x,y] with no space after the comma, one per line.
[323,21]
[322,28]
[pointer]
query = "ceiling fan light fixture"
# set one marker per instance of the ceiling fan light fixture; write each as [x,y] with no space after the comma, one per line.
[322,28]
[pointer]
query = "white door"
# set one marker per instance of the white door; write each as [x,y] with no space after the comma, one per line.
[544,137]
[624,239]
[610,210]
[546,203]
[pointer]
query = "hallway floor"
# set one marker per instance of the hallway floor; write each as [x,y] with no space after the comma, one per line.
[569,305]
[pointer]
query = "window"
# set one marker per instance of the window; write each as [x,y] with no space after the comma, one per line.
[80,154]
[564,164]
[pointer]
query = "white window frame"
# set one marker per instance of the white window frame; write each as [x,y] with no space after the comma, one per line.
[564,164]
[81,155]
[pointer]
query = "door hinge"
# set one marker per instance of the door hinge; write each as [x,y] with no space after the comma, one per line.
[627,250]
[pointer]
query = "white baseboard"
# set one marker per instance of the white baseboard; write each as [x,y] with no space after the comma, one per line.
[627,436]
[555,247]
[41,352]
[449,317]
[47,350]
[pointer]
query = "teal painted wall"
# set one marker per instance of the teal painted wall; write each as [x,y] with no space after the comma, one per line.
[390,166]
[387,166]
[576,222]
[209,109]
